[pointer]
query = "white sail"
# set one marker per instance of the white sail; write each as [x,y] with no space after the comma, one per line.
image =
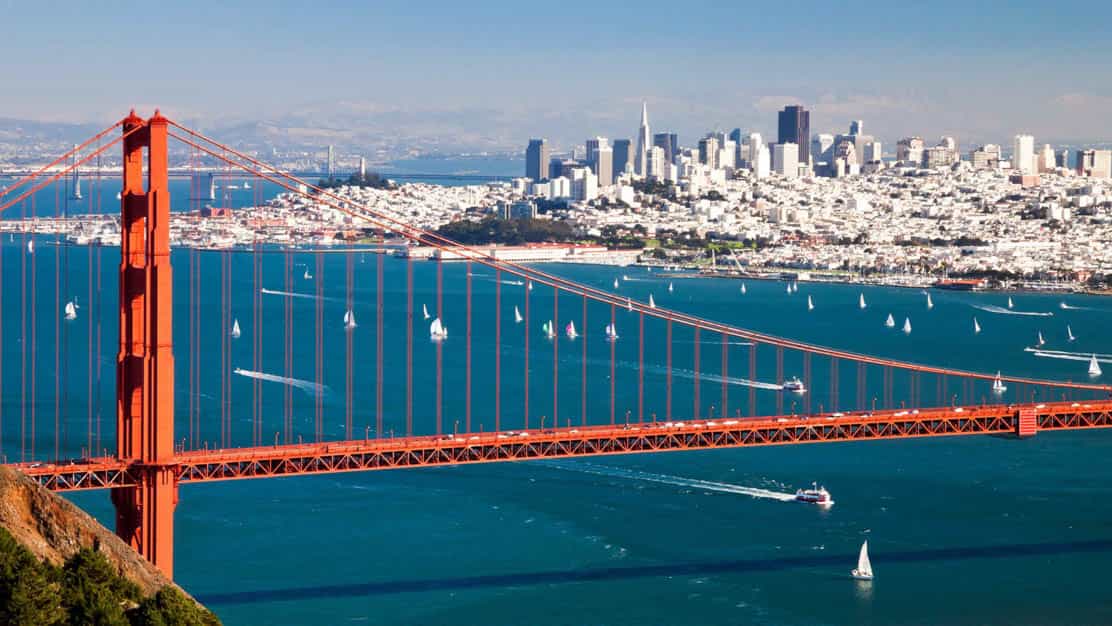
[517,316]
[425,311]
[670,288]
[246,185]
[864,567]
[349,319]
[615,283]
[788,289]
[742,288]
[529,285]
[548,330]
[890,322]
[795,287]
[652,305]
[1041,340]
[71,311]
[907,326]
[611,332]
[30,246]
[570,330]
[236,332]
[1094,367]
[629,305]
[930,304]
[810,304]
[861,301]
[437,330]
[1069,333]
[1010,303]
[998,385]
[976,326]
[307,275]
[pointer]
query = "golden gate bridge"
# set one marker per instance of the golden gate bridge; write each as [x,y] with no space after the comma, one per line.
[154,453]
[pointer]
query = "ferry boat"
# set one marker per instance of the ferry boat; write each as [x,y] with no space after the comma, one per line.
[794,385]
[814,495]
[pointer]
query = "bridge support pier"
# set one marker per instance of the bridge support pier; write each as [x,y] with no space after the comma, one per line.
[145,362]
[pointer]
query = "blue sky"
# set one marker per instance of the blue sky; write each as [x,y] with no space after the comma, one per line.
[573,69]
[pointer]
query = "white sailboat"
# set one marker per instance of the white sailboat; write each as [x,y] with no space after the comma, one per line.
[624,277]
[795,287]
[861,301]
[529,285]
[425,311]
[548,331]
[30,246]
[1041,340]
[611,332]
[743,289]
[71,311]
[615,283]
[629,305]
[437,330]
[788,289]
[569,330]
[998,386]
[670,288]
[890,322]
[810,304]
[652,304]
[517,316]
[907,326]
[976,326]
[307,275]
[246,185]
[930,303]
[864,569]
[1010,303]
[1069,333]
[236,332]
[119,195]
[349,319]
[1094,367]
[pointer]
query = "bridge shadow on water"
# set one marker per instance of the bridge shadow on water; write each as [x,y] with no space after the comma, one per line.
[695,568]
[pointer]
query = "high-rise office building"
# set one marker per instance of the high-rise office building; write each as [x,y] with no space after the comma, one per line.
[736,136]
[986,157]
[537,157]
[822,148]
[331,162]
[601,160]
[755,145]
[785,159]
[656,166]
[857,127]
[644,142]
[708,152]
[909,150]
[1062,158]
[623,156]
[1023,154]
[795,127]
[669,142]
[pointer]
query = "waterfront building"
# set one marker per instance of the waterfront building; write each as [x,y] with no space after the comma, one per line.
[600,158]
[537,157]
[794,126]
[985,157]
[644,141]
[909,150]
[1023,154]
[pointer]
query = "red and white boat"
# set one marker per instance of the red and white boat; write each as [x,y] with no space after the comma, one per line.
[814,495]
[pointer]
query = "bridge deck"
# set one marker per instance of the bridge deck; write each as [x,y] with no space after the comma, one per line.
[565,442]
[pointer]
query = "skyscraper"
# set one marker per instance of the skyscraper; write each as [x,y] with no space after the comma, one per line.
[601,159]
[708,152]
[536,159]
[622,156]
[857,127]
[644,142]
[1023,154]
[669,142]
[785,160]
[331,162]
[795,127]
[735,136]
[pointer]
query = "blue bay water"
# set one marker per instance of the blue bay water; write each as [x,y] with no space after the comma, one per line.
[962,530]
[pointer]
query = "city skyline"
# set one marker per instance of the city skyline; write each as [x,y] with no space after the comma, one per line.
[385,67]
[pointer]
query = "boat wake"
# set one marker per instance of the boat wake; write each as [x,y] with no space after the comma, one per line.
[304,385]
[999,310]
[1069,356]
[292,294]
[1070,307]
[665,479]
